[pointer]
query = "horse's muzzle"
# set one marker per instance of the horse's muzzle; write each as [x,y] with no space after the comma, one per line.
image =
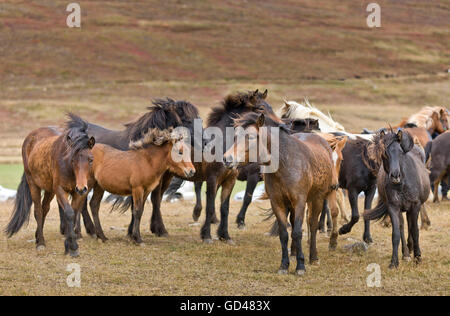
[229,162]
[190,173]
[82,191]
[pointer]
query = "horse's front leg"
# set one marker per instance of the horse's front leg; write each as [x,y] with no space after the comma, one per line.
[198,201]
[252,181]
[369,195]
[394,215]
[405,250]
[281,215]
[332,201]
[211,191]
[88,224]
[95,206]
[157,225]
[227,188]
[70,243]
[413,222]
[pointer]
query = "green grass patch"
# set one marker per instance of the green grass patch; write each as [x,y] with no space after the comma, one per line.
[10,175]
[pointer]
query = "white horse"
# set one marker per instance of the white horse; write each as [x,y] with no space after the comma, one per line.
[294,110]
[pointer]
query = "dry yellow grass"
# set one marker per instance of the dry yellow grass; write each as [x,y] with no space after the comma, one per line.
[182,265]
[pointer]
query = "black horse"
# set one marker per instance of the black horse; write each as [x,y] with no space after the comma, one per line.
[404,186]
[358,174]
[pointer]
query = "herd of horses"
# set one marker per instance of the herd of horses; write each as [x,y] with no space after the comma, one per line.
[319,163]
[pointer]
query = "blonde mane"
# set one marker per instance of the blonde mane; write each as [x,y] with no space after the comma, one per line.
[157,137]
[423,117]
[294,110]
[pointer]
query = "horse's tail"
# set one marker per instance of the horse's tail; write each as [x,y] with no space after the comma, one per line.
[22,207]
[379,212]
[120,203]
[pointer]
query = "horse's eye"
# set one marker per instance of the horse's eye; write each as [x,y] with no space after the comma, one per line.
[180,152]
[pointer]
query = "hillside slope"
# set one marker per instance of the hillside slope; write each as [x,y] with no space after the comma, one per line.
[220,39]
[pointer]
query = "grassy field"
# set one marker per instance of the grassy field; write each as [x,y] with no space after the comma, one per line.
[182,265]
[128,53]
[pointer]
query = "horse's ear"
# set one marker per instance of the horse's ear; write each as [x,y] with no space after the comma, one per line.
[264,95]
[406,141]
[69,139]
[382,133]
[442,112]
[435,116]
[91,142]
[286,104]
[261,120]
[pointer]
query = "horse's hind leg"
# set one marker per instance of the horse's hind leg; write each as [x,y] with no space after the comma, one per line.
[38,215]
[48,197]
[198,202]
[316,209]
[252,181]
[332,201]
[87,221]
[139,197]
[341,205]
[323,214]
[353,198]
[95,206]
[413,222]
[211,191]
[227,188]
[369,195]
[426,223]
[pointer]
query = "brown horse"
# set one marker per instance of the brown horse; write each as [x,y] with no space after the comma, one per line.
[137,172]
[433,120]
[56,163]
[304,176]
[438,156]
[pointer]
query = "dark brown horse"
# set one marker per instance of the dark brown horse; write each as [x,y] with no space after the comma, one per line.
[403,186]
[438,157]
[137,172]
[304,176]
[56,163]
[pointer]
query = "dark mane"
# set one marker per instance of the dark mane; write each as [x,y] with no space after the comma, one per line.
[251,118]
[162,115]
[240,101]
[75,134]
[186,111]
[374,151]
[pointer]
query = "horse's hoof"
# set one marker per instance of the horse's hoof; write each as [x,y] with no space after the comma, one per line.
[231,242]
[74,253]
[282,271]
[343,230]
[406,258]
[241,226]
[300,272]
[40,248]
[417,260]
[368,240]
[332,246]
[393,266]
[208,241]
[314,262]
[214,220]
[141,244]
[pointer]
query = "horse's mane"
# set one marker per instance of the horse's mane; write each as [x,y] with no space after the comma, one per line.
[375,150]
[423,117]
[162,115]
[75,134]
[156,137]
[292,109]
[233,102]
[251,118]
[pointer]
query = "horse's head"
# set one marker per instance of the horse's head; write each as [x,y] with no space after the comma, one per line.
[79,152]
[252,141]
[338,157]
[443,116]
[391,147]
[180,157]
[438,121]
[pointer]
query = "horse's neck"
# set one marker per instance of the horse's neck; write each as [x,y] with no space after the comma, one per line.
[288,146]
[157,156]
[116,139]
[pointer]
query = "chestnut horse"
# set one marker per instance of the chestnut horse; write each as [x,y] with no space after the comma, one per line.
[56,163]
[404,186]
[304,176]
[137,172]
